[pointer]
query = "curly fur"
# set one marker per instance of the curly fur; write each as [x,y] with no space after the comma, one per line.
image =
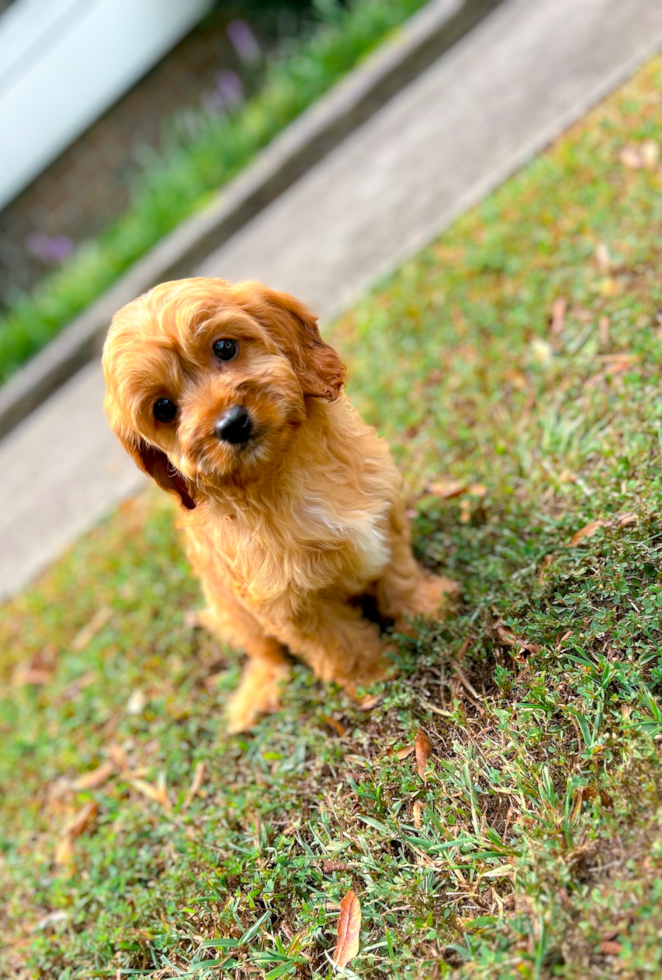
[287,531]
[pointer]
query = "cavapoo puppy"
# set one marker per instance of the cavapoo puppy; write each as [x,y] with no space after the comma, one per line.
[227,396]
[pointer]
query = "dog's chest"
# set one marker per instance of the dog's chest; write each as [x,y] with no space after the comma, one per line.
[307,550]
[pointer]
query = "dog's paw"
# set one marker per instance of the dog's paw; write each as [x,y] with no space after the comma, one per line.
[256,695]
[433,599]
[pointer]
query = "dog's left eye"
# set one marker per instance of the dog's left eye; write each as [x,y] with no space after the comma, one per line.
[164,410]
[226,350]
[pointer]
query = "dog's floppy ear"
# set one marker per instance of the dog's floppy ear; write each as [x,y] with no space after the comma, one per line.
[294,328]
[155,463]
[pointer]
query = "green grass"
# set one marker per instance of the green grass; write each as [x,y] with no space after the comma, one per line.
[539,850]
[205,155]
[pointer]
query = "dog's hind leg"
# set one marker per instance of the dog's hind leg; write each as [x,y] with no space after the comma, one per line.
[405,589]
[266,668]
[335,640]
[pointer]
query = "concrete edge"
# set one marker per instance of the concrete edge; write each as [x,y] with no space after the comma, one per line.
[415,46]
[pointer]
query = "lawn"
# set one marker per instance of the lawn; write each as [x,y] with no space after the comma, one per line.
[518,383]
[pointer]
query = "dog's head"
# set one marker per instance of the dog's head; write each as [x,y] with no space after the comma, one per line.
[207,381]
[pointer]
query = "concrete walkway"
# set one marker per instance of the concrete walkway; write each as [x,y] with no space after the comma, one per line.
[471,119]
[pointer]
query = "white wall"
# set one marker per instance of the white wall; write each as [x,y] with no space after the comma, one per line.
[64,62]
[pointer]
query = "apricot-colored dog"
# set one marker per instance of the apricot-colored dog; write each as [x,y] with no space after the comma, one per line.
[227,396]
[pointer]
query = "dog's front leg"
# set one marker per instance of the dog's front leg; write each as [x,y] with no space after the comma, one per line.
[335,640]
[266,666]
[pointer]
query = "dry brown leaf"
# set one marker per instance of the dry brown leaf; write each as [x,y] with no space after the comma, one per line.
[465,511]
[81,820]
[369,701]
[631,157]
[330,865]
[118,756]
[39,669]
[650,154]
[586,532]
[158,793]
[477,490]
[559,307]
[603,330]
[423,750]
[404,753]
[64,851]
[196,785]
[610,947]
[617,358]
[508,637]
[446,489]
[349,928]
[417,811]
[602,257]
[627,519]
[97,777]
[212,682]
[339,729]
[136,703]
[73,689]
[90,630]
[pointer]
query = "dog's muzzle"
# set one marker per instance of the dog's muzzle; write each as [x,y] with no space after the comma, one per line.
[234,426]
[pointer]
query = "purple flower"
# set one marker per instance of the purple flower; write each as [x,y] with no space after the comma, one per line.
[49,249]
[213,103]
[230,88]
[244,41]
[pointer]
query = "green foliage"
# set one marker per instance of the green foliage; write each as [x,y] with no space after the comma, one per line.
[534,848]
[197,159]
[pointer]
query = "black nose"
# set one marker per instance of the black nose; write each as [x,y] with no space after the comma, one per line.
[234,426]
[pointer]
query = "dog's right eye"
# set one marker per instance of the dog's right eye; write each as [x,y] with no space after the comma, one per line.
[164,410]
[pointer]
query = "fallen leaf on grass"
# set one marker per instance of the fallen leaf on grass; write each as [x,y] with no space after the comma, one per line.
[39,669]
[586,532]
[603,330]
[404,753]
[329,866]
[417,811]
[446,489]
[64,851]
[643,155]
[158,793]
[423,750]
[559,307]
[610,947]
[136,703]
[81,820]
[508,637]
[118,756]
[97,777]
[98,621]
[626,519]
[196,785]
[349,928]
[64,848]
[602,257]
[339,729]
[50,919]
[369,701]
